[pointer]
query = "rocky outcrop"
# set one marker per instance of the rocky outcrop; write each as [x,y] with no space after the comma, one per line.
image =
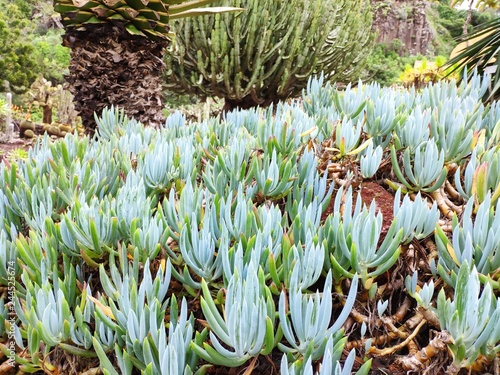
[405,20]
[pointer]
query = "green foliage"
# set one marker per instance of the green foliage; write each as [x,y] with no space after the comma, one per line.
[386,62]
[25,8]
[4,107]
[452,19]
[24,52]
[448,23]
[52,59]
[268,51]
[17,65]
[425,71]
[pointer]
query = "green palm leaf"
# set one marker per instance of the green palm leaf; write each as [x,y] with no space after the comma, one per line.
[479,50]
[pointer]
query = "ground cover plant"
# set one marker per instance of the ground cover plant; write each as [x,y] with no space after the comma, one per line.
[345,231]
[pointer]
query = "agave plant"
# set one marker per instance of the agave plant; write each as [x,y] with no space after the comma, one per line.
[117,51]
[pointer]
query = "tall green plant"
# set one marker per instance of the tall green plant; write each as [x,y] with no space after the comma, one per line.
[268,52]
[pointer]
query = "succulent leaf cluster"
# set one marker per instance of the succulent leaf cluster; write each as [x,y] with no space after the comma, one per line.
[211,244]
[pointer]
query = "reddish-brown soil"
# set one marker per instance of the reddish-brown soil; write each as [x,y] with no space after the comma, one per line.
[384,201]
[16,143]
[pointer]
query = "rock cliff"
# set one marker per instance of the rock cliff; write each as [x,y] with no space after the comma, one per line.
[405,20]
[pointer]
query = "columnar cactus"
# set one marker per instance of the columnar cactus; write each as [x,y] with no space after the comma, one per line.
[268,52]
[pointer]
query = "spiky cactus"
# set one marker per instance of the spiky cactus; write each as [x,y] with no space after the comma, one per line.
[117,53]
[268,52]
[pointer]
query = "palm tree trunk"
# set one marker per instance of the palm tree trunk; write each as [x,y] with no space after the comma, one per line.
[109,66]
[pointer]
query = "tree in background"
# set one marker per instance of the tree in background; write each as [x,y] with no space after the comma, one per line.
[268,52]
[17,66]
[480,4]
[117,51]
[52,59]
[30,44]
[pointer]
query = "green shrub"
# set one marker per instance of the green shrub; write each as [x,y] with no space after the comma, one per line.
[16,61]
[51,57]
[386,63]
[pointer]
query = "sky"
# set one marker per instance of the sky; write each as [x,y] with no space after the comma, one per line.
[466,4]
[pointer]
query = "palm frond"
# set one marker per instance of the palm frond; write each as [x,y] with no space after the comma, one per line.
[479,51]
